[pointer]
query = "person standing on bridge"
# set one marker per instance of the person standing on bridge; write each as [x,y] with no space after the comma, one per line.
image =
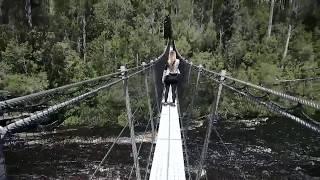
[170,76]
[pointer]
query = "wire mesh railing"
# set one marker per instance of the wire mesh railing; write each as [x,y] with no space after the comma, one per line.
[242,99]
[18,133]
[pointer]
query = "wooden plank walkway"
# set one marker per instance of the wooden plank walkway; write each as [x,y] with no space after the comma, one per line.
[168,162]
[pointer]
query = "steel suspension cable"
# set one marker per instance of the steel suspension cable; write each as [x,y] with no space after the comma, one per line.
[33,96]
[38,116]
[34,108]
[280,94]
[18,100]
[303,113]
[271,107]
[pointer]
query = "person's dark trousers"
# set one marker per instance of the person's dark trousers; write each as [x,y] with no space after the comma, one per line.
[173,88]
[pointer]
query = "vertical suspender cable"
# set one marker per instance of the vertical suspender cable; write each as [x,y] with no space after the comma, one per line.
[212,118]
[129,114]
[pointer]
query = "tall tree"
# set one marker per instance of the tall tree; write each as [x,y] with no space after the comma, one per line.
[285,52]
[84,37]
[1,13]
[270,19]
[28,9]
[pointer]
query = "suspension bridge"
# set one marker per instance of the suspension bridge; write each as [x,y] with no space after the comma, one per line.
[168,154]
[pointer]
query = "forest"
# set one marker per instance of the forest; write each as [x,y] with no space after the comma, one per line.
[50,43]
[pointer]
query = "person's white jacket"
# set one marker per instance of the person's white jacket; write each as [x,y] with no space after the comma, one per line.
[175,70]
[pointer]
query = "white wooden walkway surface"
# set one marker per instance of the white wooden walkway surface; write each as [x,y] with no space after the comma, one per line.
[168,162]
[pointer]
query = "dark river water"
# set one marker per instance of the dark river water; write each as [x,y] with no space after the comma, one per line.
[259,149]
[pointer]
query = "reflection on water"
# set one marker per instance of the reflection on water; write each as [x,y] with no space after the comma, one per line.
[260,149]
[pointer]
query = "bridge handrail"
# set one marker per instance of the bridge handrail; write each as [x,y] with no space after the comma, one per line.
[267,90]
[272,107]
[37,117]
[21,99]
[17,100]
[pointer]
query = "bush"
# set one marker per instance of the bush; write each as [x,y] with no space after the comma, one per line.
[19,84]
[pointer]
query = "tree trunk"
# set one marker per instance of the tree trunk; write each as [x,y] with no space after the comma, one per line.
[270,19]
[25,66]
[152,23]
[285,52]
[79,45]
[212,7]
[1,17]
[51,7]
[105,49]
[137,60]
[28,10]
[287,43]
[201,19]
[66,35]
[177,7]
[220,40]
[84,37]
[192,10]
[115,63]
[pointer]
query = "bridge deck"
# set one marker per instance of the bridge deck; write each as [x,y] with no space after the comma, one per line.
[168,162]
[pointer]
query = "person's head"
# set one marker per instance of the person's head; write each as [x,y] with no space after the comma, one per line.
[172,57]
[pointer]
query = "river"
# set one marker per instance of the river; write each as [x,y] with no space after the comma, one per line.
[262,148]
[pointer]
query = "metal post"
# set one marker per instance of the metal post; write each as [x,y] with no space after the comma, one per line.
[131,125]
[189,73]
[212,120]
[155,86]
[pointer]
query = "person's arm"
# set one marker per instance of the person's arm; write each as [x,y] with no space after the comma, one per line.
[164,75]
[177,62]
[177,65]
